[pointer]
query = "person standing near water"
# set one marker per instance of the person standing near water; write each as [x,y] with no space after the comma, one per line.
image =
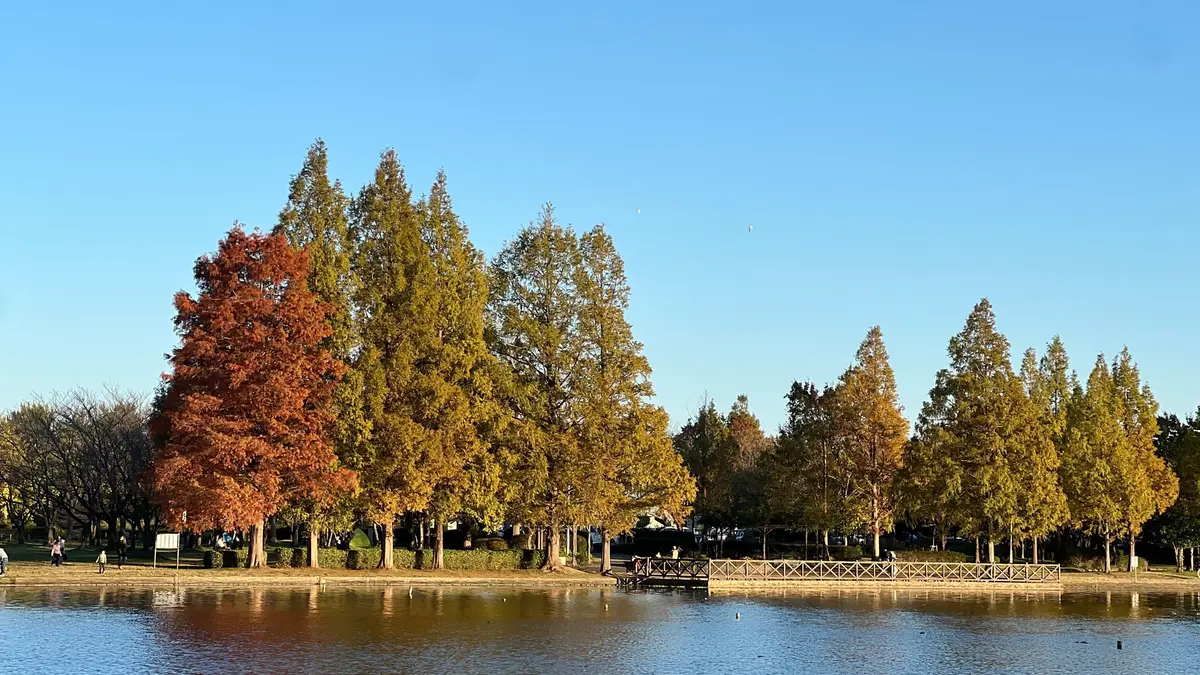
[102,560]
[3,562]
[56,555]
[122,552]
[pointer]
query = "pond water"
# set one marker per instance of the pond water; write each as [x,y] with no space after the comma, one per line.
[503,630]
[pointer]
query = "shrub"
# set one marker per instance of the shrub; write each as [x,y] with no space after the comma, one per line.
[362,558]
[532,559]
[360,540]
[1095,563]
[236,558]
[332,558]
[467,561]
[212,560]
[404,558]
[300,557]
[491,544]
[279,557]
[931,556]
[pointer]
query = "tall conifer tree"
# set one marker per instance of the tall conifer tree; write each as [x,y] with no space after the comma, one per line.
[873,430]
[247,411]
[632,462]
[534,317]
[1145,484]
[315,219]
[456,404]
[398,308]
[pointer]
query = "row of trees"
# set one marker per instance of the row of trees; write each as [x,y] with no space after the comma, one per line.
[76,461]
[998,454]
[362,359]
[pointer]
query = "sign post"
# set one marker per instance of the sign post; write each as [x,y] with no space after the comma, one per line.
[167,542]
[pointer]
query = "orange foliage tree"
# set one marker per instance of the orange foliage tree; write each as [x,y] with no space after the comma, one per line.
[248,414]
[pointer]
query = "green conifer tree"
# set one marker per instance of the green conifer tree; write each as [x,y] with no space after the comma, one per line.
[632,463]
[534,316]
[315,219]
[873,431]
[455,401]
[398,308]
[1145,484]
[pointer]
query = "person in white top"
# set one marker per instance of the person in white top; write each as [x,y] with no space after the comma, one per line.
[3,562]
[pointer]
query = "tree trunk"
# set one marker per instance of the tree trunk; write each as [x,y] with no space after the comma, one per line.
[1178,558]
[1107,553]
[1132,552]
[258,553]
[605,551]
[314,544]
[553,549]
[991,548]
[1035,551]
[274,530]
[387,544]
[976,549]
[825,544]
[764,542]
[50,518]
[943,536]
[875,527]
[112,532]
[439,546]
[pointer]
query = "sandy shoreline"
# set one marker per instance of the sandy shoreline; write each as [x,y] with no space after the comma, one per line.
[81,575]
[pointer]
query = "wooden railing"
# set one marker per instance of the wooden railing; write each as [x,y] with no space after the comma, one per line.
[820,570]
[680,569]
[686,570]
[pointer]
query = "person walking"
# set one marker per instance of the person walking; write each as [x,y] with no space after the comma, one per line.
[102,560]
[56,554]
[3,562]
[62,550]
[122,552]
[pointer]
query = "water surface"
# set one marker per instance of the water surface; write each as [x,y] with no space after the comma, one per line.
[467,630]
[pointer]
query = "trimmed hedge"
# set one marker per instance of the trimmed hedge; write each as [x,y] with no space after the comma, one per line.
[362,558]
[931,556]
[1095,563]
[402,558]
[332,558]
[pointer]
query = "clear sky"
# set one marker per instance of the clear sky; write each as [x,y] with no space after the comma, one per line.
[898,161]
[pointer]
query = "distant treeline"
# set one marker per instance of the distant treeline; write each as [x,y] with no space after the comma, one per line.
[999,454]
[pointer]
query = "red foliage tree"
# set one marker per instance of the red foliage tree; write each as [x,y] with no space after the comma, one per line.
[248,415]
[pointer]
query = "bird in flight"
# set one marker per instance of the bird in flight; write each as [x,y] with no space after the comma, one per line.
[639,212]
[750,229]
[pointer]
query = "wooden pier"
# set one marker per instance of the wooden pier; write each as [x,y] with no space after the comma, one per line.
[765,573]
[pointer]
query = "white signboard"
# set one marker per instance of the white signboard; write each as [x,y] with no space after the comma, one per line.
[167,542]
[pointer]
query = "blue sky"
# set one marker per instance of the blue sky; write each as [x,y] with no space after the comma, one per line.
[898,161]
